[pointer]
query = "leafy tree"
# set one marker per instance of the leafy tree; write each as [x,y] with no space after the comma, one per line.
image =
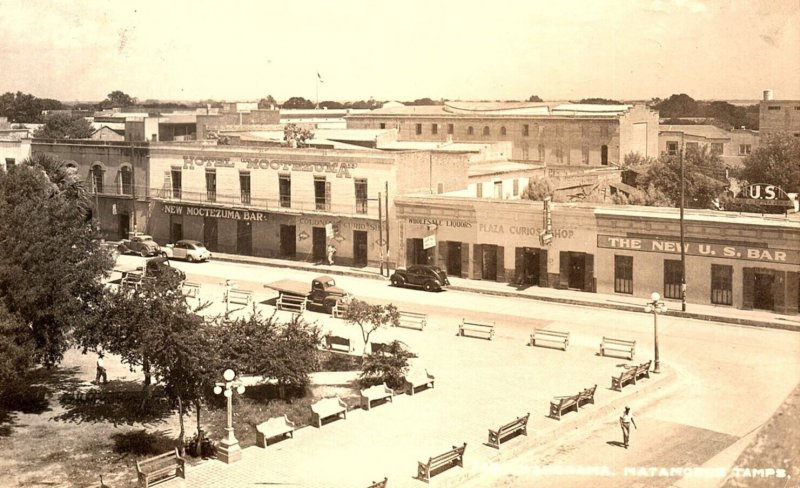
[676,106]
[65,126]
[117,99]
[600,101]
[539,188]
[424,101]
[298,103]
[16,347]
[776,161]
[389,366]
[296,136]
[370,104]
[370,318]
[267,102]
[649,196]
[700,189]
[636,159]
[331,105]
[535,98]
[25,108]
[50,257]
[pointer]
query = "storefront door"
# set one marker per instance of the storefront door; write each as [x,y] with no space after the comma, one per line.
[359,248]
[530,267]
[318,241]
[762,291]
[175,230]
[489,271]
[244,237]
[453,258]
[288,241]
[577,270]
[415,253]
[210,234]
[124,225]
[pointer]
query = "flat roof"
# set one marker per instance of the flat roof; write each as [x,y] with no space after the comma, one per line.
[704,130]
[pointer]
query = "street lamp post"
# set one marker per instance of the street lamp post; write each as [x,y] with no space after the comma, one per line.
[229,450]
[656,306]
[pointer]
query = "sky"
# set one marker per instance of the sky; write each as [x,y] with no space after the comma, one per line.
[240,50]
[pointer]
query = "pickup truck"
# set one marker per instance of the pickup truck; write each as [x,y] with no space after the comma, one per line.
[140,244]
[323,292]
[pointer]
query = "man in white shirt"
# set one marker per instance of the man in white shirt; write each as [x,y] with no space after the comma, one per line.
[101,370]
[625,422]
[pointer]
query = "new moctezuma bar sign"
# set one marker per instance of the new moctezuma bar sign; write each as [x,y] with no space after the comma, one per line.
[736,251]
[214,213]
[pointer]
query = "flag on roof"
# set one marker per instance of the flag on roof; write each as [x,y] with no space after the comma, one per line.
[320,77]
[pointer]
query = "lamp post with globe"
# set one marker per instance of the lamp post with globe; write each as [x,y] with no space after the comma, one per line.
[655,306]
[229,450]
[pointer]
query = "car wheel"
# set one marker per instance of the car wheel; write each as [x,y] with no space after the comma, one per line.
[143,253]
[164,255]
[429,286]
[397,281]
[190,258]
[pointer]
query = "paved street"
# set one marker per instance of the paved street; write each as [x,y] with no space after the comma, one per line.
[688,416]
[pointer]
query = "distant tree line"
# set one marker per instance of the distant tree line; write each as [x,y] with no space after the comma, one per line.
[725,115]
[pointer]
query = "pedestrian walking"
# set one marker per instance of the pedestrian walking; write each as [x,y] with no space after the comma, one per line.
[101,370]
[331,252]
[625,422]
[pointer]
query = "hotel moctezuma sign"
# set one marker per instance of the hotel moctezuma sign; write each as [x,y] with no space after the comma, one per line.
[737,251]
[214,213]
[341,170]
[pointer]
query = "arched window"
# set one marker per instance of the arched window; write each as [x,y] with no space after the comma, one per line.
[96,176]
[470,131]
[502,131]
[486,130]
[125,181]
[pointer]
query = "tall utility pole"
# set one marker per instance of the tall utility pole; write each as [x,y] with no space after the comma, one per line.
[380,227]
[683,249]
[386,196]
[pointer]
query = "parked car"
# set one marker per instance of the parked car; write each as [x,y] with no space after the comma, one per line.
[423,275]
[189,250]
[141,244]
[154,268]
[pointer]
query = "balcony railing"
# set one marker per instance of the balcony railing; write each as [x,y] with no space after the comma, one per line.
[280,204]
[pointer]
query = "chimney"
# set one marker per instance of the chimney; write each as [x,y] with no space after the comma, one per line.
[767,95]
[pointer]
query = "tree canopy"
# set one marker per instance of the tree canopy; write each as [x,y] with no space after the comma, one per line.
[725,115]
[267,102]
[600,101]
[117,99]
[776,161]
[25,108]
[298,103]
[701,170]
[535,98]
[370,318]
[65,126]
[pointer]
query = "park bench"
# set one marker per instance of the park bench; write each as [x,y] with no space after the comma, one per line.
[418,378]
[412,320]
[328,407]
[562,405]
[379,484]
[274,427]
[437,464]
[191,290]
[131,280]
[339,309]
[518,426]
[586,396]
[378,347]
[338,343]
[643,370]
[475,329]
[167,465]
[630,375]
[617,345]
[237,296]
[373,393]
[543,335]
[291,303]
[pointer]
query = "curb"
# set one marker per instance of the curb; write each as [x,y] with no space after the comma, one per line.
[566,301]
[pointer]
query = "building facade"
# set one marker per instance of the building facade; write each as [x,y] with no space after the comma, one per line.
[731,146]
[778,116]
[569,135]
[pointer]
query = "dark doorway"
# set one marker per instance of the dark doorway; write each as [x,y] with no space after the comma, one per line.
[453,258]
[489,271]
[175,231]
[415,253]
[577,270]
[288,241]
[124,225]
[763,298]
[210,234]
[604,155]
[244,237]
[359,248]
[530,267]
[318,246]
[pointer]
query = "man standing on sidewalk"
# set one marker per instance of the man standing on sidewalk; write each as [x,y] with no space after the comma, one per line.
[101,370]
[625,422]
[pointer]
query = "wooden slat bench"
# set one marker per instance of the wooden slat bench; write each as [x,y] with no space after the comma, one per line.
[272,428]
[630,375]
[339,309]
[628,348]
[475,329]
[586,396]
[560,405]
[373,393]
[413,320]
[240,297]
[643,370]
[291,303]
[167,465]
[437,464]
[328,407]
[418,378]
[517,426]
[338,343]
[191,290]
[131,280]
[378,347]
[552,336]
[379,484]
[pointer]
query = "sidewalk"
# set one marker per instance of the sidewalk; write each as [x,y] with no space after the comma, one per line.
[756,318]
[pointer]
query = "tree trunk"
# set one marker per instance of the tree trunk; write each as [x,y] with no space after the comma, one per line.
[146,370]
[182,433]
[199,429]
